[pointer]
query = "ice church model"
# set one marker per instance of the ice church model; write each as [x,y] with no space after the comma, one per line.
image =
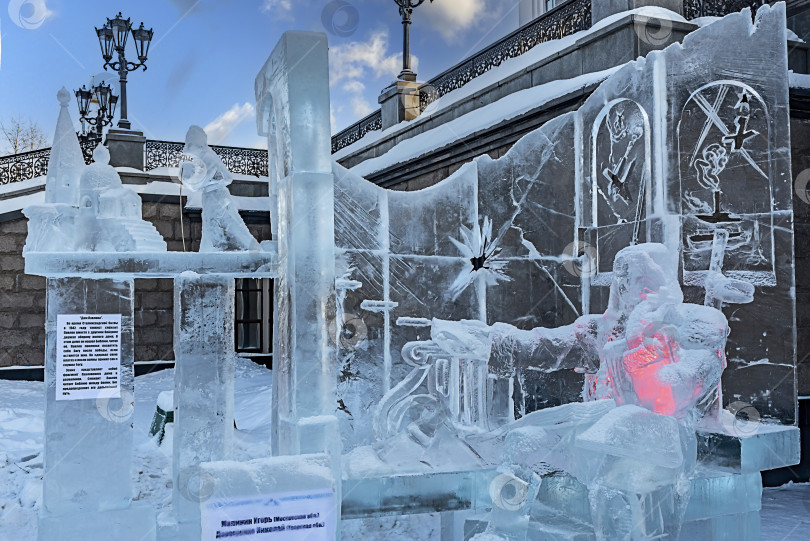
[600,417]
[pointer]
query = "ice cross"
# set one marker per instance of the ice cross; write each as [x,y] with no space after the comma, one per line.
[743,134]
[713,117]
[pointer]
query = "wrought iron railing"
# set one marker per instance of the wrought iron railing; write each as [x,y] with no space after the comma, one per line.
[246,161]
[693,9]
[32,164]
[24,165]
[357,131]
[564,20]
[28,165]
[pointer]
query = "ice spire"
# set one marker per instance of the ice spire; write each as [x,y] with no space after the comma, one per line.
[62,184]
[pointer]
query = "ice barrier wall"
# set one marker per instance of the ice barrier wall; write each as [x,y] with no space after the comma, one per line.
[671,148]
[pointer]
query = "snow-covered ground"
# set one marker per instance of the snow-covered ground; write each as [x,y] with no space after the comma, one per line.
[785,510]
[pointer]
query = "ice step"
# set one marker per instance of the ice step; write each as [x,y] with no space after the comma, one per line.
[748,447]
[738,527]
[549,527]
[714,492]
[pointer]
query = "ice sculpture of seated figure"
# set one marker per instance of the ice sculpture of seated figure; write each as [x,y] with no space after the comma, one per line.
[223,229]
[649,348]
[109,216]
[632,443]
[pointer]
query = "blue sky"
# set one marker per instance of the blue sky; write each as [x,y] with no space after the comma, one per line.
[206,53]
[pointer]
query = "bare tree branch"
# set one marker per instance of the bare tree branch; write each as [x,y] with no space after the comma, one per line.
[21,135]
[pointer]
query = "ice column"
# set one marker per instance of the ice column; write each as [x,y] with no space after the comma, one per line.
[292,96]
[88,443]
[203,385]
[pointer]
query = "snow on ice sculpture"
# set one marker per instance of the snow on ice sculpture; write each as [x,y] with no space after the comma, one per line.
[223,229]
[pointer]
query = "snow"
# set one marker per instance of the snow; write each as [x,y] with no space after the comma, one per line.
[799,80]
[785,510]
[21,441]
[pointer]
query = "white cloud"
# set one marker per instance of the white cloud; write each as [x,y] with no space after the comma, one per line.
[279,8]
[227,121]
[452,19]
[360,106]
[359,59]
[352,63]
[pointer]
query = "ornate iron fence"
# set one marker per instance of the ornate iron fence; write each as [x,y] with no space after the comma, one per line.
[246,161]
[32,164]
[564,20]
[24,166]
[28,165]
[693,9]
[357,131]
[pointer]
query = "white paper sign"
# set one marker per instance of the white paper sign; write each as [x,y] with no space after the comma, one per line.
[88,356]
[289,516]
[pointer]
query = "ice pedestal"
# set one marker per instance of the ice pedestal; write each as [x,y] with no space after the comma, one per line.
[290,497]
[745,446]
[203,388]
[136,523]
[718,499]
[88,442]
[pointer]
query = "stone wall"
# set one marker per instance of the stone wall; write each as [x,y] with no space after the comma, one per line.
[22,301]
[22,297]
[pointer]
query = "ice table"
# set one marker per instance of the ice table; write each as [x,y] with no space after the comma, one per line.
[88,442]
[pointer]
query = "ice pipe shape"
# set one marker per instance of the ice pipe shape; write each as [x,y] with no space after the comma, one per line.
[223,229]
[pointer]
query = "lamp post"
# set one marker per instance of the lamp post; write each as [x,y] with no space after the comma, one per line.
[406,8]
[101,95]
[113,39]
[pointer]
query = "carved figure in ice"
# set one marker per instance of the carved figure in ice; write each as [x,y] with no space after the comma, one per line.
[86,208]
[109,218]
[659,360]
[223,229]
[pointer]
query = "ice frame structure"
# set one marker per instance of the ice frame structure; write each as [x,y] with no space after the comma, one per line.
[687,148]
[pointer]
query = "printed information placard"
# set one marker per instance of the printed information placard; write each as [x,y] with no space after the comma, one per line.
[289,516]
[88,356]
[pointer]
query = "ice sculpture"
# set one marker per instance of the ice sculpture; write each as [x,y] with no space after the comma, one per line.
[655,357]
[538,239]
[223,229]
[86,208]
[89,388]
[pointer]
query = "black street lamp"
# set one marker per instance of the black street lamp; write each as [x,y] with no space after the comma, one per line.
[100,95]
[113,39]
[406,8]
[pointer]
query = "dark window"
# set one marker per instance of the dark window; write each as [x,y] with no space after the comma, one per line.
[253,330]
